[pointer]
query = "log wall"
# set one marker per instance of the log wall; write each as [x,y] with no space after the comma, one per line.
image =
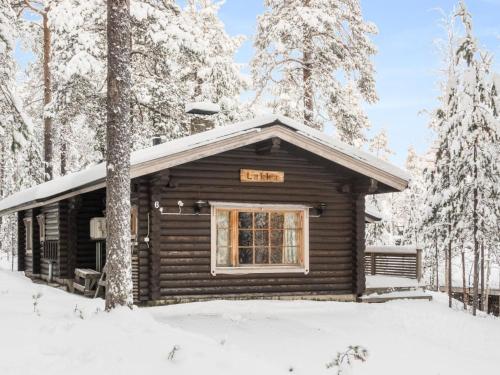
[179,256]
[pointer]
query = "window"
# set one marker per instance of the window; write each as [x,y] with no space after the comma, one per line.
[41,226]
[249,238]
[29,235]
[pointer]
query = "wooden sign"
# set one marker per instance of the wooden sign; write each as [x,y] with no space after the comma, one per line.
[251,175]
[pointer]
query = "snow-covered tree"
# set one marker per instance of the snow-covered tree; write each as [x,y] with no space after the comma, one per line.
[79,71]
[214,76]
[313,63]
[381,232]
[463,184]
[15,125]
[477,183]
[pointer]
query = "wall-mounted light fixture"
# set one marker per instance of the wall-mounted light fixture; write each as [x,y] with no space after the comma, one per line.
[319,209]
[198,206]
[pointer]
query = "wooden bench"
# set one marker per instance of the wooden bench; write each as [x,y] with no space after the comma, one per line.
[86,281]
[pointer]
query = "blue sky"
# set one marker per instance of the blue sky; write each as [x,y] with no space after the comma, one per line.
[407,62]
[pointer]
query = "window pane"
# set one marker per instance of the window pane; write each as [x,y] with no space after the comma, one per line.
[261,220]
[245,238]
[262,255]
[292,220]
[246,256]
[223,256]
[276,256]
[276,237]
[223,238]
[291,255]
[222,219]
[277,220]
[245,220]
[261,238]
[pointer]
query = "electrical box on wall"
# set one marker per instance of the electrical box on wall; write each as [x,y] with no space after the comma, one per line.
[98,228]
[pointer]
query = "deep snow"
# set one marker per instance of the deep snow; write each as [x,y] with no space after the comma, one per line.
[244,337]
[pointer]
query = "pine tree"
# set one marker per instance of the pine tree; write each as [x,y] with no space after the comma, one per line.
[381,232]
[42,9]
[476,146]
[118,259]
[314,58]
[15,125]
[463,184]
[212,74]
[79,71]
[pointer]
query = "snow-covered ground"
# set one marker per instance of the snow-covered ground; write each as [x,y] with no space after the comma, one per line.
[71,335]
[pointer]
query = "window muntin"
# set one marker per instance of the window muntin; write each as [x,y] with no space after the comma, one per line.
[259,238]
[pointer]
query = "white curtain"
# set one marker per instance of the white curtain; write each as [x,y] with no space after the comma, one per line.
[291,238]
[223,239]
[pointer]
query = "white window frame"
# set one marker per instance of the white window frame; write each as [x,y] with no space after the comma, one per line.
[243,270]
[41,226]
[28,232]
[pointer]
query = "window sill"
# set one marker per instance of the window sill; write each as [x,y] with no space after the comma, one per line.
[250,270]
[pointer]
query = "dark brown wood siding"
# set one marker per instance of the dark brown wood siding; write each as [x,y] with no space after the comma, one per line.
[51,214]
[180,246]
[21,245]
[140,254]
[31,261]
[91,205]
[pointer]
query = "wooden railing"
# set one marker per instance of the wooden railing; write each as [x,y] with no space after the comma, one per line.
[403,261]
[50,250]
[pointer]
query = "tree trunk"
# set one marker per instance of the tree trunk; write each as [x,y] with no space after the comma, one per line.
[437,261]
[2,174]
[486,292]
[47,99]
[307,76]
[118,266]
[64,150]
[481,306]
[476,243]
[464,288]
[450,284]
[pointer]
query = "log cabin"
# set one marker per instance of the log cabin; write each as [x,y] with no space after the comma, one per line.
[266,208]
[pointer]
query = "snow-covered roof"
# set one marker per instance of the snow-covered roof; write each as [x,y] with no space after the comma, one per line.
[389,249]
[372,213]
[173,153]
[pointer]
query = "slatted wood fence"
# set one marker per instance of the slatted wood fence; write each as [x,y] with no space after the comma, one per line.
[402,261]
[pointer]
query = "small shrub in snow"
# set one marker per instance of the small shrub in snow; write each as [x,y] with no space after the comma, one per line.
[36,298]
[346,357]
[78,312]
[171,354]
